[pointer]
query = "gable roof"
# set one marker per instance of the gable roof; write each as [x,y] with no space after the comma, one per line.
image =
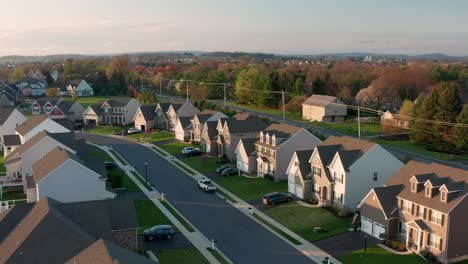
[5,112]
[185,121]
[303,157]
[455,177]
[164,106]
[349,143]
[387,199]
[118,101]
[75,82]
[211,131]
[202,118]
[281,130]
[148,111]
[249,146]
[50,162]
[249,125]
[65,122]
[348,157]
[208,112]
[30,124]
[11,140]
[320,100]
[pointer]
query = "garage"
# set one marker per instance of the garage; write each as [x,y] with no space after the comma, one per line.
[296,189]
[372,228]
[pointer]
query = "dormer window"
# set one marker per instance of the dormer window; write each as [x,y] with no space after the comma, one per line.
[443,196]
[414,187]
[273,141]
[267,139]
[261,137]
[428,191]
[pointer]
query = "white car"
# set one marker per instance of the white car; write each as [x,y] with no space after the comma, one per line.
[133,130]
[187,149]
[206,185]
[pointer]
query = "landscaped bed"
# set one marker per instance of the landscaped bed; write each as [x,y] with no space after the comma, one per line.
[251,188]
[180,256]
[376,254]
[302,220]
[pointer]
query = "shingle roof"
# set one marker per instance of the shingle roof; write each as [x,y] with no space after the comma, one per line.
[185,121]
[30,124]
[10,218]
[320,100]
[75,82]
[249,145]
[349,143]
[118,101]
[202,118]
[50,162]
[303,157]
[177,106]
[148,111]
[164,106]
[210,127]
[208,112]
[348,157]
[96,108]
[387,198]
[281,130]
[456,176]
[5,112]
[11,140]
[249,125]
[65,106]
[65,122]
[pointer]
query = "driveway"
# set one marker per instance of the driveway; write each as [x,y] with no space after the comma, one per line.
[177,242]
[239,237]
[345,243]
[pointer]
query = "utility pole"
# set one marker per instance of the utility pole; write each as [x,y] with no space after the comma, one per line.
[187,90]
[224,94]
[359,122]
[282,98]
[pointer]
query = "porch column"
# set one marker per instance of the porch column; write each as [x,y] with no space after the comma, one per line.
[407,236]
[419,240]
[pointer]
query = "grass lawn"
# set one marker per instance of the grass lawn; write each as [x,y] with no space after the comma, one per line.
[118,157]
[277,230]
[175,147]
[251,189]
[218,256]
[419,149]
[176,215]
[367,129]
[180,256]
[98,153]
[142,181]
[149,215]
[2,163]
[204,165]
[105,130]
[12,196]
[153,137]
[302,220]
[86,101]
[159,151]
[379,255]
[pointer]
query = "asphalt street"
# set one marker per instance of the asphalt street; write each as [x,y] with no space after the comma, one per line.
[238,236]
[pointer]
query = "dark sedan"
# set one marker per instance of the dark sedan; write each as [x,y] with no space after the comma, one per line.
[193,153]
[230,172]
[159,232]
[276,198]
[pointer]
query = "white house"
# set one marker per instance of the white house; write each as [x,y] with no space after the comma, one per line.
[299,177]
[345,169]
[198,124]
[246,156]
[10,119]
[117,110]
[62,176]
[182,128]
[38,124]
[323,108]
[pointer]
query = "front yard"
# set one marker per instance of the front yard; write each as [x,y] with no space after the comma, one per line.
[204,164]
[2,163]
[105,130]
[6,196]
[180,256]
[251,189]
[175,148]
[152,137]
[149,215]
[302,220]
[376,254]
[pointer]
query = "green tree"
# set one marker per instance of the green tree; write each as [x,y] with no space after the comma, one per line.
[318,86]
[460,134]
[248,80]
[18,73]
[299,86]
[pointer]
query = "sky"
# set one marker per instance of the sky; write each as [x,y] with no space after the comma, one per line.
[31,27]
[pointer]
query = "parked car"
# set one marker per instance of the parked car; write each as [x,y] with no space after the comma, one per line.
[187,149]
[193,153]
[132,130]
[78,125]
[276,198]
[220,169]
[110,165]
[159,232]
[206,185]
[230,172]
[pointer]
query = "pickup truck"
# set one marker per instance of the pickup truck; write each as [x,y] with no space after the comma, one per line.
[206,185]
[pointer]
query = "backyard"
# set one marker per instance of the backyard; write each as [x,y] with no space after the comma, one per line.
[6,195]
[251,188]
[302,220]
[376,254]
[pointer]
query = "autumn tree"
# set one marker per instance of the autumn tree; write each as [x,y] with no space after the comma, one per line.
[460,134]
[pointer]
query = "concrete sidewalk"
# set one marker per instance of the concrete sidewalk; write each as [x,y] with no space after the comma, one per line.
[196,238]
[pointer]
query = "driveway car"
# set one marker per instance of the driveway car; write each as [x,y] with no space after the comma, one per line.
[193,152]
[133,130]
[220,169]
[276,198]
[187,149]
[230,172]
[206,185]
[159,232]
[110,165]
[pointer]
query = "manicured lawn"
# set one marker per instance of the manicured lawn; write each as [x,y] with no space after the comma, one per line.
[159,151]
[2,163]
[379,255]
[105,130]
[12,196]
[277,230]
[419,149]
[367,129]
[204,164]
[153,137]
[149,215]
[98,153]
[176,215]
[180,256]
[86,101]
[218,256]
[118,157]
[251,189]
[142,181]
[302,220]
[175,147]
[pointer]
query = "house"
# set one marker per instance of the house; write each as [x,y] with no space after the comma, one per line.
[323,108]
[394,120]
[6,100]
[117,110]
[19,162]
[9,94]
[180,110]
[56,108]
[299,176]
[424,206]
[209,143]
[9,144]
[39,123]
[145,117]
[198,124]
[231,130]
[276,146]
[80,88]
[344,169]
[161,118]
[10,119]
[246,155]
[62,176]
[30,86]
[182,128]
[48,231]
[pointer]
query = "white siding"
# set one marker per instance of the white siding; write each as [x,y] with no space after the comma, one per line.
[130,110]
[179,131]
[72,182]
[15,119]
[48,125]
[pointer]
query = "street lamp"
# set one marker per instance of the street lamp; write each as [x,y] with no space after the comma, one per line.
[146,172]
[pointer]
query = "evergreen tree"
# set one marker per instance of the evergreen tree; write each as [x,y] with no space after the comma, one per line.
[460,134]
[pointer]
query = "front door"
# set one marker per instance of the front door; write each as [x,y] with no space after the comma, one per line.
[324,193]
[143,128]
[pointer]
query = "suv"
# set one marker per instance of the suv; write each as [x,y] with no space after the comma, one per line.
[276,198]
[230,172]
[220,169]
[206,185]
[187,149]
[159,232]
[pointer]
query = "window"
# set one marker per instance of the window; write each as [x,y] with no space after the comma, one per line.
[413,187]
[296,163]
[428,191]
[406,206]
[421,212]
[376,174]
[339,178]
[403,229]
[317,171]
[443,196]
[434,241]
[316,189]
[436,217]
[338,197]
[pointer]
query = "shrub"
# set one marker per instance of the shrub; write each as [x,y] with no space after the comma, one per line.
[395,244]
[428,255]
[402,247]
[312,201]
[269,177]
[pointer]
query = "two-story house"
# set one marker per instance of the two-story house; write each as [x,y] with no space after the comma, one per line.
[209,143]
[344,169]
[81,88]
[36,124]
[299,176]
[8,94]
[182,128]
[425,206]
[161,118]
[179,110]
[246,155]
[323,108]
[276,146]
[145,117]
[56,108]
[10,119]
[198,124]
[30,86]
[231,130]
[117,110]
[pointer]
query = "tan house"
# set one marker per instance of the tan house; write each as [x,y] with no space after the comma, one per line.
[344,169]
[425,206]
[145,117]
[198,124]
[180,110]
[323,108]
[161,118]
[246,156]
[209,143]
[183,128]
[276,146]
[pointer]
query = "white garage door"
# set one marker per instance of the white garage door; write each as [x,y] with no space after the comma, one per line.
[299,192]
[291,187]
[378,229]
[366,225]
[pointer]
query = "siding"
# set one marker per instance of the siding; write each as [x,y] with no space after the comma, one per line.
[48,125]
[458,233]
[371,209]
[15,119]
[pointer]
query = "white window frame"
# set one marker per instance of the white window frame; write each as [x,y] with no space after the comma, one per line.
[436,217]
[434,244]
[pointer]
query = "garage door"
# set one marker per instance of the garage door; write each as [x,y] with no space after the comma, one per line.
[366,225]
[291,188]
[299,192]
[378,230]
